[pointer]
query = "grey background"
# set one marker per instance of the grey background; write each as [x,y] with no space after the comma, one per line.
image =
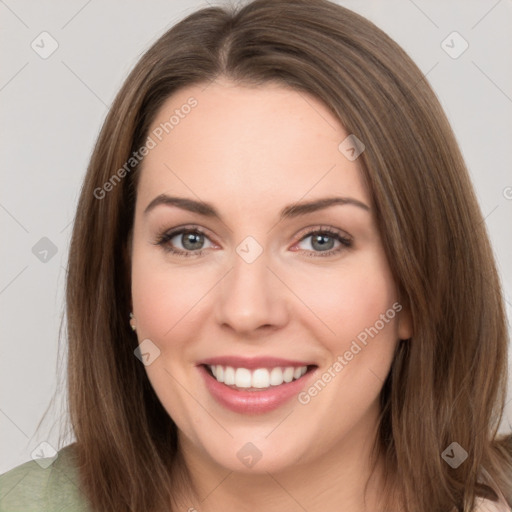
[53,109]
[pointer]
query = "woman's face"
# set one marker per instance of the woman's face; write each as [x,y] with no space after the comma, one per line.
[261,288]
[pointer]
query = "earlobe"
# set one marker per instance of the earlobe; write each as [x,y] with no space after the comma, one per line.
[132,322]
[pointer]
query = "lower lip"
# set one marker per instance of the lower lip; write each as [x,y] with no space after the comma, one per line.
[253,402]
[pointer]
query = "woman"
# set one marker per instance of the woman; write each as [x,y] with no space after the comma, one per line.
[281,294]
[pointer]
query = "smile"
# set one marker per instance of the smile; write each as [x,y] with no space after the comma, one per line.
[260,378]
[254,386]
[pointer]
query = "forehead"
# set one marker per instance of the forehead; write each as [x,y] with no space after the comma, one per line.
[236,143]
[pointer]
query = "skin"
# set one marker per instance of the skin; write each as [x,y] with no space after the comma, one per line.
[250,152]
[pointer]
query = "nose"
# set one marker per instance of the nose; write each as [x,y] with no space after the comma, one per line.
[251,299]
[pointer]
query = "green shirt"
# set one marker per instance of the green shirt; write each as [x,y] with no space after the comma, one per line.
[31,487]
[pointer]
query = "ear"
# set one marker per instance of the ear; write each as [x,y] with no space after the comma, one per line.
[404,320]
[127,261]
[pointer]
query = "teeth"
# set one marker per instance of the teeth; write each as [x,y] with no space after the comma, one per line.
[242,378]
[288,374]
[260,378]
[229,375]
[276,377]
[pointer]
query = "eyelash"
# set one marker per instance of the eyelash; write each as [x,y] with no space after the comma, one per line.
[164,239]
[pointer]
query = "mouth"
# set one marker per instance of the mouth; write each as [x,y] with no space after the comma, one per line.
[258,379]
[255,386]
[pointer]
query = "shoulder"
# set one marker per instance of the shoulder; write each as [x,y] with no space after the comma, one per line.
[48,484]
[483,505]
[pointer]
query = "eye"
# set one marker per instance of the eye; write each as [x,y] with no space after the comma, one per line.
[189,241]
[184,241]
[322,242]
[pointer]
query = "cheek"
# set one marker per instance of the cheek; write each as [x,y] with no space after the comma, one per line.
[163,298]
[359,305]
[353,299]
[165,306]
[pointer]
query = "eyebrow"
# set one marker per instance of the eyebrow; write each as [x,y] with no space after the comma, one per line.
[288,212]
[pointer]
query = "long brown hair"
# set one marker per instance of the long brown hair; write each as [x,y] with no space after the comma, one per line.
[447,383]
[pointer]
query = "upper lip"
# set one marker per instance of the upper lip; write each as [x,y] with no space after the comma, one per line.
[252,362]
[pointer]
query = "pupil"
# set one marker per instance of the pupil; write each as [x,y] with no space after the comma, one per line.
[192,241]
[322,240]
